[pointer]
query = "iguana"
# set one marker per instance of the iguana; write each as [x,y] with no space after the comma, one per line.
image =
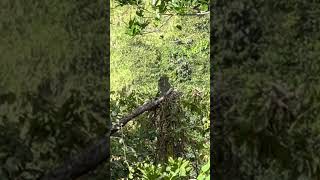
[169,116]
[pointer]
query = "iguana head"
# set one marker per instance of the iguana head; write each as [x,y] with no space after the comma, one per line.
[163,84]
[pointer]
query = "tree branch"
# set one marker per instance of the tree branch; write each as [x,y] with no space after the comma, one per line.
[140,110]
[98,153]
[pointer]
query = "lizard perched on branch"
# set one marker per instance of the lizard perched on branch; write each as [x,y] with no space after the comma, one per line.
[169,142]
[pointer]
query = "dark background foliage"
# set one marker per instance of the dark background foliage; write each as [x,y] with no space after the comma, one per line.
[265,59]
[52,83]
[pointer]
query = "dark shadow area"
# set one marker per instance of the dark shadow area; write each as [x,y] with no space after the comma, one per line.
[265,90]
[54,86]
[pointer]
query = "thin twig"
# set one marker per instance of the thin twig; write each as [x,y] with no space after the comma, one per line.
[188,14]
[158,29]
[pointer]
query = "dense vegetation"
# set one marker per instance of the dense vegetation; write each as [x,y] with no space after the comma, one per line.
[53,80]
[52,83]
[265,64]
[147,44]
[266,71]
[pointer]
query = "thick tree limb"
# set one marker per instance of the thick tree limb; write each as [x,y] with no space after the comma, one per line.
[99,152]
[140,110]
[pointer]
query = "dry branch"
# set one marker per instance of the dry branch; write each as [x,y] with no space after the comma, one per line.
[98,153]
[140,110]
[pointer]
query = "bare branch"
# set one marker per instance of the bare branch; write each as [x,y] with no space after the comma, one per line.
[140,110]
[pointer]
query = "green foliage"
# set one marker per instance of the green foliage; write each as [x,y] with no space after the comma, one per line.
[137,63]
[128,2]
[136,25]
[205,172]
[175,169]
[147,13]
